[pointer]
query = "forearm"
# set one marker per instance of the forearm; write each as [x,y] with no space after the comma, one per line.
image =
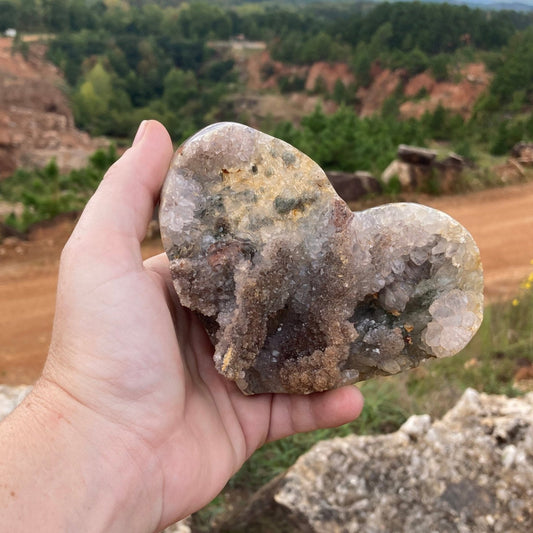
[63,468]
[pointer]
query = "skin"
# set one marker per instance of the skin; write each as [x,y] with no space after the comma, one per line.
[130,427]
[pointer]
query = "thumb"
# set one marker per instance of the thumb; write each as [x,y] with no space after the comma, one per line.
[115,219]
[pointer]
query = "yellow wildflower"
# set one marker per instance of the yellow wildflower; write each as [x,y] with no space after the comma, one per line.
[530,278]
[527,285]
[515,302]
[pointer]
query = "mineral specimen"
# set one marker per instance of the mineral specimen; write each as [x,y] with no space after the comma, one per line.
[298,293]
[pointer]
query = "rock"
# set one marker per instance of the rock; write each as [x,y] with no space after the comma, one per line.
[298,293]
[353,186]
[36,122]
[470,472]
[523,153]
[416,155]
[416,167]
[404,172]
[329,73]
[183,526]
[10,397]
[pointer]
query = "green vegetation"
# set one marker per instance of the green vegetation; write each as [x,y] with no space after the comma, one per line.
[340,141]
[343,141]
[45,193]
[125,60]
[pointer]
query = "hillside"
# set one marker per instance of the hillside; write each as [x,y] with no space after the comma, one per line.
[344,85]
[36,122]
[262,96]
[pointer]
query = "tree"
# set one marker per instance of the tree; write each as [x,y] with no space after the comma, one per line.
[29,16]
[8,17]
[56,14]
[340,92]
[439,67]
[362,65]
[516,70]
[91,100]
[379,44]
[203,20]
[179,88]
[416,61]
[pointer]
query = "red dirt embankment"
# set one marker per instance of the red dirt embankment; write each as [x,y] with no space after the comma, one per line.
[36,122]
[501,221]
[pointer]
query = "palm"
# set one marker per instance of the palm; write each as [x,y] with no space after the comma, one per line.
[124,348]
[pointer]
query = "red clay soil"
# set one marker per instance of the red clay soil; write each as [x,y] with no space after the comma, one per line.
[458,97]
[501,221]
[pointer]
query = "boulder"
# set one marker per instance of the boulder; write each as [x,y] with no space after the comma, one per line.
[470,472]
[10,397]
[415,155]
[523,153]
[416,168]
[353,186]
[401,170]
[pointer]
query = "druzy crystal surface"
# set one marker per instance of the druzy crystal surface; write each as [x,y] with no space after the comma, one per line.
[297,292]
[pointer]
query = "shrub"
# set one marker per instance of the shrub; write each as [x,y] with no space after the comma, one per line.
[46,193]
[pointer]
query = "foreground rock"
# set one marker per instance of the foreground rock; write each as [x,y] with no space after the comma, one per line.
[298,293]
[471,472]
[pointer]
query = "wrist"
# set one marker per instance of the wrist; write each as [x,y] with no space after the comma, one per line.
[67,468]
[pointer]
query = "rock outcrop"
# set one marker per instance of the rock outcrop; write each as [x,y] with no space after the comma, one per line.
[419,169]
[352,186]
[36,123]
[471,472]
[523,153]
[458,96]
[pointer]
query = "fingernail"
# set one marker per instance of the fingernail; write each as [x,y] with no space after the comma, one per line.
[140,132]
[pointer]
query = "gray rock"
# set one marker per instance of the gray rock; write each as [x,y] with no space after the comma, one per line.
[471,472]
[352,186]
[183,526]
[10,397]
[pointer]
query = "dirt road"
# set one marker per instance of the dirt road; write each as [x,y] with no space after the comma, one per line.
[501,222]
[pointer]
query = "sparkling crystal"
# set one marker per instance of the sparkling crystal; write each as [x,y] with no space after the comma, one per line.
[298,293]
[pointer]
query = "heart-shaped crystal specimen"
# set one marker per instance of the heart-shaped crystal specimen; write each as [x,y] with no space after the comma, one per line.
[297,292]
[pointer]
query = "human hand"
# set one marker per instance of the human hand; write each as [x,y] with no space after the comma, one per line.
[130,380]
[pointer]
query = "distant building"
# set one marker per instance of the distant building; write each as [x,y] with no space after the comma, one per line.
[11,32]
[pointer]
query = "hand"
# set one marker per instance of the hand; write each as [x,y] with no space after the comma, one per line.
[129,377]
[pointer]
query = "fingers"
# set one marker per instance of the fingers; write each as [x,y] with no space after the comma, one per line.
[118,213]
[297,414]
[158,264]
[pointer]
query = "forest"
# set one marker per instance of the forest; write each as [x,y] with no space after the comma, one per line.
[125,61]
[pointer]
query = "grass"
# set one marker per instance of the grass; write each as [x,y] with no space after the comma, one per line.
[503,343]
